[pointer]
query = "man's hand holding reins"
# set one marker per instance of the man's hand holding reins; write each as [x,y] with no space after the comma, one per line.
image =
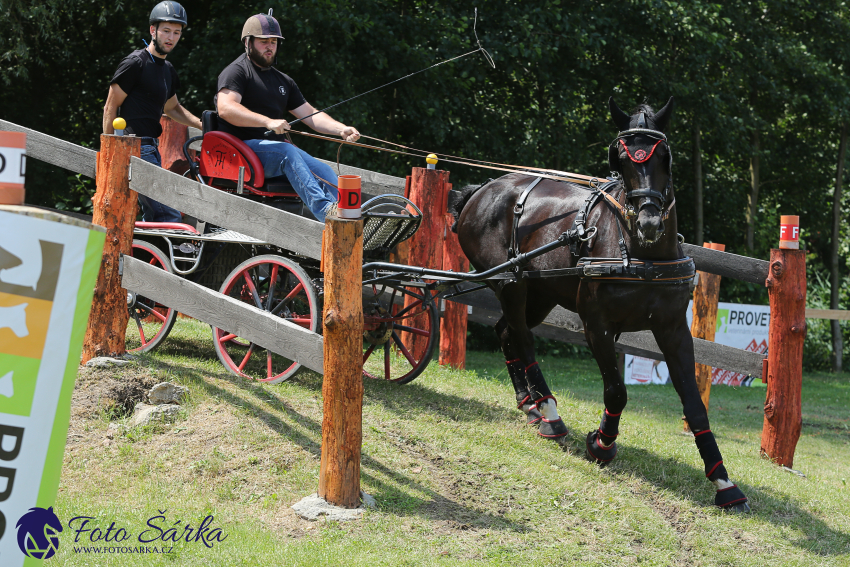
[278,126]
[349,134]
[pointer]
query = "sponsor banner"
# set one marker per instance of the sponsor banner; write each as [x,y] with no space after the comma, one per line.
[741,326]
[47,276]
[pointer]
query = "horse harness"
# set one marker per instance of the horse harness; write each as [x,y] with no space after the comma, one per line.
[621,269]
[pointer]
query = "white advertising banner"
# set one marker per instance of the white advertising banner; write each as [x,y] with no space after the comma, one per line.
[47,275]
[738,325]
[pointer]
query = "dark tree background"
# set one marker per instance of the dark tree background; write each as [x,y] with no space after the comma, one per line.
[761,83]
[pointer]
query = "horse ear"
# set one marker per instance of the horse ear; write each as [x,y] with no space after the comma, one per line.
[621,119]
[662,117]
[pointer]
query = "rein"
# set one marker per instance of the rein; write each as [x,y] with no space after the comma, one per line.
[525,170]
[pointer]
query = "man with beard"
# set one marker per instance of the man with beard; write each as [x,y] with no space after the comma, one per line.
[253,97]
[144,86]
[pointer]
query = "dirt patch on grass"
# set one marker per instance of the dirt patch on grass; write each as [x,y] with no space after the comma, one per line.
[110,390]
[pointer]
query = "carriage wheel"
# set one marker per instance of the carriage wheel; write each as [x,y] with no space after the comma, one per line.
[150,322]
[275,284]
[401,326]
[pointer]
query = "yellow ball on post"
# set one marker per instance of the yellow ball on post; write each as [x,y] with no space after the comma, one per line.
[431,160]
[119,123]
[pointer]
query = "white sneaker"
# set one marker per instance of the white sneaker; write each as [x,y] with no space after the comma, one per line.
[331,211]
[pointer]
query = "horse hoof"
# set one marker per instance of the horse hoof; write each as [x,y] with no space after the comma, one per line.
[596,453]
[742,508]
[732,500]
[552,429]
[534,415]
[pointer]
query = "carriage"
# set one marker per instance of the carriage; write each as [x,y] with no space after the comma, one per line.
[398,313]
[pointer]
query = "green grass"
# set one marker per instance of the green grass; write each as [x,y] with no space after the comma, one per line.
[458,477]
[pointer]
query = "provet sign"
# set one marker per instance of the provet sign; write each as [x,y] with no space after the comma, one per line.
[738,325]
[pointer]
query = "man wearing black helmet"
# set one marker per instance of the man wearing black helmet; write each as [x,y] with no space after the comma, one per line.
[254,97]
[143,87]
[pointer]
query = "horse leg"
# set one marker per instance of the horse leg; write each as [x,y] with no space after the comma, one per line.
[516,370]
[601,446]
[519,314]
[678,348]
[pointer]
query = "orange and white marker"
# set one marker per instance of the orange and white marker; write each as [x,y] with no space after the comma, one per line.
[349,197]
[13,165]
[789,232]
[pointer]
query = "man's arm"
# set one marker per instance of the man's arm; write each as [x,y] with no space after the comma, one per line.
[114,100]
[179,113]
[324,124]
[230,107]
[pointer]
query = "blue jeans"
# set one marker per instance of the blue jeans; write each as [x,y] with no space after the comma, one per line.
[299,167]
[154,211]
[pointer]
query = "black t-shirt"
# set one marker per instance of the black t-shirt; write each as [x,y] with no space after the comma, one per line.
[265,91]
[148,84]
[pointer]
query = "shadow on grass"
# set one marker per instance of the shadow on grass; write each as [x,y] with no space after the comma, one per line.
[819,537]
[305,432]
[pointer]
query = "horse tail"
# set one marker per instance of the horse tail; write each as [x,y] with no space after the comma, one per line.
[466,193]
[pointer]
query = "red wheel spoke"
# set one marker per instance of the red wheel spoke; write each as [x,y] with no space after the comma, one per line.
[421,332]
[269,372]
[250,281]
[152,311]
[288,298]
[141,330]
[404,350]
[299,321]
[409,307]
[153,261]
[368,352]
[226,338]
[272,282]
[247,356]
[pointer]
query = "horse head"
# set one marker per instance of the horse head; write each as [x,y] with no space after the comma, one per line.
[641,156]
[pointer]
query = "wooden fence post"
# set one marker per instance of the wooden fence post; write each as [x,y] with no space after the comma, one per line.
[783,418]
[342,389]
[174,135]
[428,191]
[115,207]
[704,324]
[454,321]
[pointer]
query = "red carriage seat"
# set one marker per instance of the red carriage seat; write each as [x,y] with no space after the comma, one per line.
[222,155]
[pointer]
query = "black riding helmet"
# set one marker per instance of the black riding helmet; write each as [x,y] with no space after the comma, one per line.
[169,11]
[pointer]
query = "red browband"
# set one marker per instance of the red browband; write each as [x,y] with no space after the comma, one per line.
[640,151]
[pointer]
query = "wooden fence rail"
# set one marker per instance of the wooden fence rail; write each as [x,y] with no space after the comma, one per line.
[304,237]
[566,326]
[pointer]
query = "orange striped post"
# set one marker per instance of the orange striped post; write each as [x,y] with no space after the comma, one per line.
[13,160]
[704,326]
[786,286]
[428,191]
[454,320]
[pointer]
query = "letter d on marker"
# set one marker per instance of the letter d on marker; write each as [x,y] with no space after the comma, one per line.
[13,151]
[349,196]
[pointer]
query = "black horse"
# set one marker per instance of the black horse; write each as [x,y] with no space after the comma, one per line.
[634,221]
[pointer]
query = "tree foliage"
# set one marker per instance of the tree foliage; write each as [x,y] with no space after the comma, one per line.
[776,67]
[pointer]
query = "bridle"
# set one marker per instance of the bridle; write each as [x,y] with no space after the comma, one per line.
[649,197]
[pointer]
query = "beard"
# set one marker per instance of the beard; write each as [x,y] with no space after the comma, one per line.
[160,48]
[259,60]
